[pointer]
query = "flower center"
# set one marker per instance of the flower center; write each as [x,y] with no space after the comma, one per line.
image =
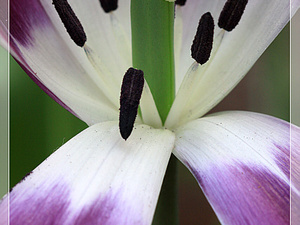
[133,81]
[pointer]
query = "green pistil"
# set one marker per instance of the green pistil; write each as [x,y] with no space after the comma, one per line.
[152,25]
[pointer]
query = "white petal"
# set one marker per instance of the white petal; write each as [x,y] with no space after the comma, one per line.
[96,178]
[178,26]
[238,51]
[102,31]
[190,15]
[149,111]
[42,46]
[242,163]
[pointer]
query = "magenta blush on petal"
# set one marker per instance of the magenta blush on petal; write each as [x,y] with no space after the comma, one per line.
[42,207]
[283,160]
[242,162]
[247,195]
[95,178]
[295,174]
[4,212]
[53,206]
[26,15]
[109,210]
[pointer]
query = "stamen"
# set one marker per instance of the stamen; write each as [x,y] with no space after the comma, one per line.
[70,21]
[109,5]
[203,41]
[180,2]
[232,14]
[131,91]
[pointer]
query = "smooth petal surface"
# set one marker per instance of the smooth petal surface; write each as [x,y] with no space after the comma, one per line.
[104,31]
[148,108]
[237,52]
[40,43]
[95,178]
[241,160]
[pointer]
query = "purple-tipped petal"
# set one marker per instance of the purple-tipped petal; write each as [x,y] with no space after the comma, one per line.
[4,214]
[40,43]
[241,161]
[17,54]
[95,178]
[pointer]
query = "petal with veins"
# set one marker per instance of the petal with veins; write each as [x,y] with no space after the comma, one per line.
[96,177]
[238,51]
[241,160]
[295,175]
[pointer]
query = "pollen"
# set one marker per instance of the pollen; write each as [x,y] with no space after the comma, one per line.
[203,41]
[109,5]
[232,14]
[70,21]
[131,92]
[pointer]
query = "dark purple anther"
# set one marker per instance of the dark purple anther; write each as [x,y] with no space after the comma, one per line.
[180,2]
[203,41]
[109,5]
[232,14]
[70,21]
[131,92]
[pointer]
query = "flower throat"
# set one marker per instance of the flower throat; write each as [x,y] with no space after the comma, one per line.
[153,49]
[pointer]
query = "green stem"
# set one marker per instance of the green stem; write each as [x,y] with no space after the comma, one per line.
[167,207]
[152,27]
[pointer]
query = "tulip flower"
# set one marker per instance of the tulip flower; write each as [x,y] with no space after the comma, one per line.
[143,74]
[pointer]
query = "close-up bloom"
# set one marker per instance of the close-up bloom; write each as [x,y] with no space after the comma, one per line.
[143,74]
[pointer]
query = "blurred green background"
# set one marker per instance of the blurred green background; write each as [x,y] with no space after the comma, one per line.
[38,125]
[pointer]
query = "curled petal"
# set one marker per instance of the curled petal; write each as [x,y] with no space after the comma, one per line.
[95,178]
[241,161]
